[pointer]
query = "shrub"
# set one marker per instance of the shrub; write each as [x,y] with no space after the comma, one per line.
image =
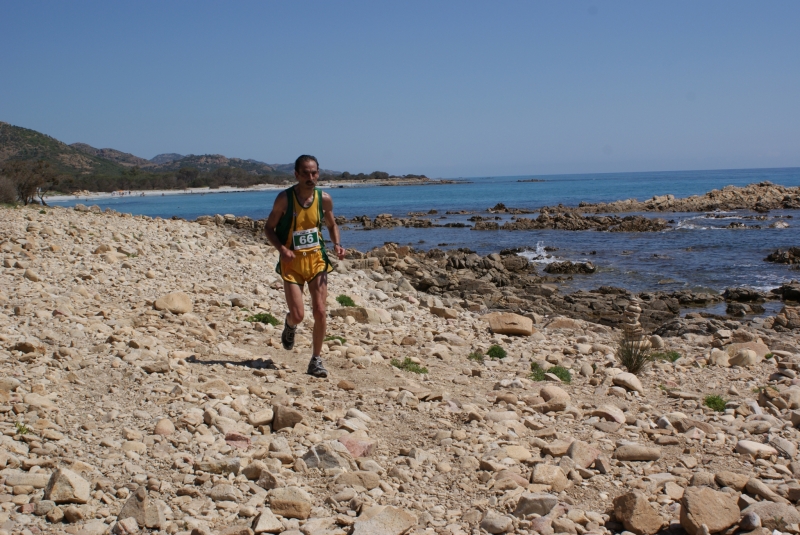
[671,356]
[562,373]
[8,194]
[769,355]
[333,337]
[633,356]
[715,402]
[345,301]
[537,373]
[496,352]
[477,356]
[263,317]
[409,366]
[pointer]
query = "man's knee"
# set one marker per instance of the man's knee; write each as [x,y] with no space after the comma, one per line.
[296,316]
[319,312]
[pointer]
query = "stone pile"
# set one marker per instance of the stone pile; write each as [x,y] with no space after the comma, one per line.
[130,401]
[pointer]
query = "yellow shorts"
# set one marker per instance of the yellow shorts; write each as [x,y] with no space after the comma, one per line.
[305,266]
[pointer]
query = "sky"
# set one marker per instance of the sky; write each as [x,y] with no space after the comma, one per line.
[441,88]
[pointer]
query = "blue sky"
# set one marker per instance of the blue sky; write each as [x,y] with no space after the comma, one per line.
[442,88]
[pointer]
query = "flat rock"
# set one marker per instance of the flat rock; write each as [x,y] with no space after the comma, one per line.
[705,506]
[509,323]
[756,449]
[384,520]
[774,515]
[610,412]
[637,452]
[175,302]
[539,503]
[628,381]
[267,522]
[548,474]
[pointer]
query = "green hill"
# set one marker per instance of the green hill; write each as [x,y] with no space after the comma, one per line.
[17,143]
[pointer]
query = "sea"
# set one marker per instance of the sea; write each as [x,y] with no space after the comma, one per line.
[698,253]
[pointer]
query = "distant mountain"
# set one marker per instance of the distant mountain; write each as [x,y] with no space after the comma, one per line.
[81,159]
[17,143]
[166,158]
[210,162]
[122,158]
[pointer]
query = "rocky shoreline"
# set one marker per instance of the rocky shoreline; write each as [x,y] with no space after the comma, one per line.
[135,396]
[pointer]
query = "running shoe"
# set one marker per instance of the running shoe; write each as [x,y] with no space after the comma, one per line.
[287,336]
[316,368]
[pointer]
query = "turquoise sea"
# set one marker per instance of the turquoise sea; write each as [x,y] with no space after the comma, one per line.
[699,253]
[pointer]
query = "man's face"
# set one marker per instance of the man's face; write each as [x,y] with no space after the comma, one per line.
[308,174]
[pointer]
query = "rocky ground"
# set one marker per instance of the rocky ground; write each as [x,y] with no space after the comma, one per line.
[134,396]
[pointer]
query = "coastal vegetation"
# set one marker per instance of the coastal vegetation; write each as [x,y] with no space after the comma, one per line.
[33,164]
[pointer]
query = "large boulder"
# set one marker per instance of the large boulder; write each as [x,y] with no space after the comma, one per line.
[175,302]
[509,323]
[705,506]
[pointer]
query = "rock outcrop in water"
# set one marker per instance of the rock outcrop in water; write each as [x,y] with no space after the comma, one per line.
[760,197]
[121,415]
[789,256]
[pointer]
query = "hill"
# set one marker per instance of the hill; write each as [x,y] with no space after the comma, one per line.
[122,158]
[166,157]
[17,143]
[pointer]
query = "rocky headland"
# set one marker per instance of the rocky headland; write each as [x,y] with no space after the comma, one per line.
[135,396]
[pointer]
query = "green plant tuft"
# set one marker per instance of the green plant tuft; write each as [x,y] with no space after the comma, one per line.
[769,355]
[409,366]
[334,337]
[537,373]
[671,356]
[132,255]
[477,356]
[715,402]
[21,428]
[633,356]
[345,301]
[42,211]
[562,373]
[496,352]
[263,317]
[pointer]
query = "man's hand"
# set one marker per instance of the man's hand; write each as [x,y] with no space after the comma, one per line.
[287,255]
[339,250]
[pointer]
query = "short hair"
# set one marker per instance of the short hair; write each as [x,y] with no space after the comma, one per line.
[303,159]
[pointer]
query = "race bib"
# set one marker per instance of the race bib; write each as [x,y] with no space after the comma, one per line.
[305,239]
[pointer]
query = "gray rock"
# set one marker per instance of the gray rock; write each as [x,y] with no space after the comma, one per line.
[539,503]
[140,507]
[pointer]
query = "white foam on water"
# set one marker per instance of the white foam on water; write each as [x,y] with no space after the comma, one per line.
[539,255]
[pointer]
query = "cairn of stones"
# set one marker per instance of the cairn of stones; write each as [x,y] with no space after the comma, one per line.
[633,334]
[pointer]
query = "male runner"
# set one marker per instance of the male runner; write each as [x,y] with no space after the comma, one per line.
[294,227]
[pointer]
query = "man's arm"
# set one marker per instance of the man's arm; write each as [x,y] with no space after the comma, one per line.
[278,209]
[333,228]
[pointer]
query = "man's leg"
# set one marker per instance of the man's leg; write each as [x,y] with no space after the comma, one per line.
[294,300]
[318,287]
[319,294]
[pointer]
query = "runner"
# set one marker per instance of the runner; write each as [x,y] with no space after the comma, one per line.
[294,227]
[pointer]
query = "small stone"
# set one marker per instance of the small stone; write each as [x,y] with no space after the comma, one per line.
[548,474]
[285,417]
[756,449]
[140,507]
[610,412]
[530,503]
[750,521]
[346,385]
[582,453]
[497,524]
[267,522]
[774,515]
[126,526]
[164,427]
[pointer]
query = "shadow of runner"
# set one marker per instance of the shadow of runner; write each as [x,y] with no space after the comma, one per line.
[256,364]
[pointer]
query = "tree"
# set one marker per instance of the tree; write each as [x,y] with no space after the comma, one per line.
[30,179]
